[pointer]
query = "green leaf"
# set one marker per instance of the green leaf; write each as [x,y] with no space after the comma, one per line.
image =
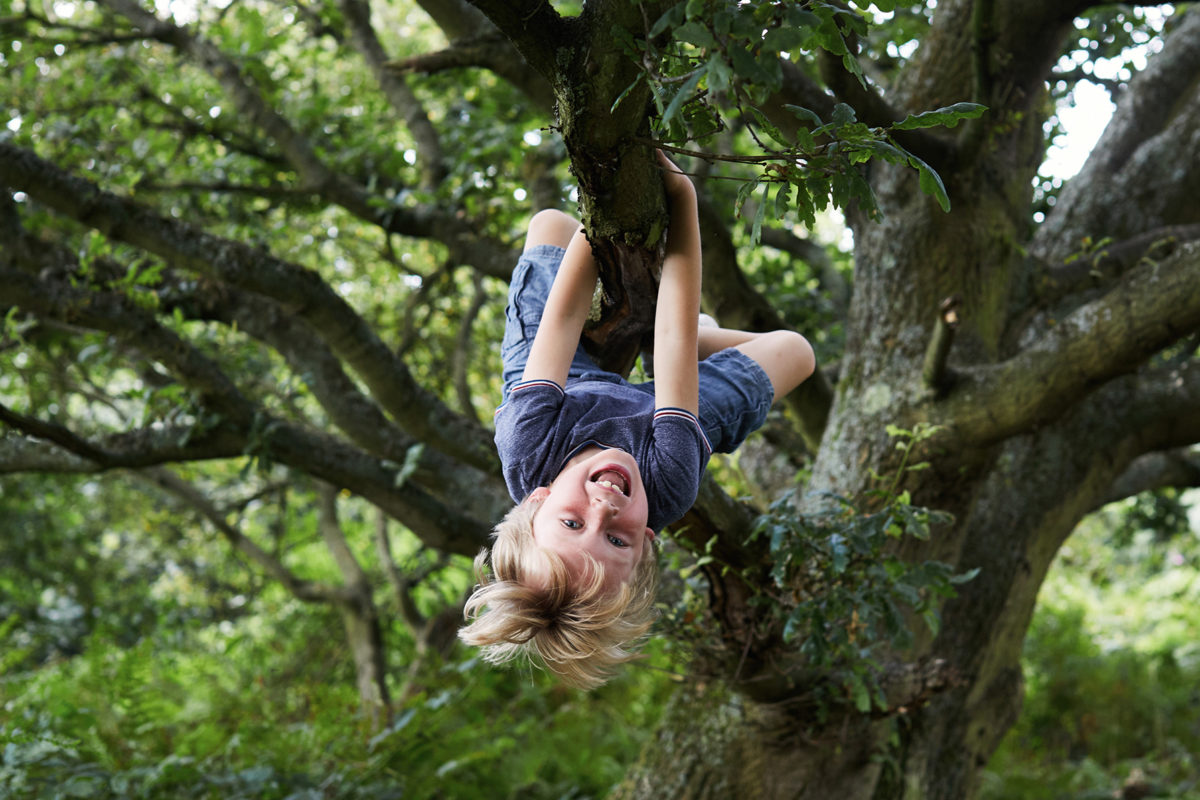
[963,577]
[784,39]
[685,93]
[804,115]
[933,620]
[759,215]
[623,94]
[837,546]
[412,458]
[670,19]
[718,74]
[747,67]
[695,33]
[796,17]
[859,694]
[931,182]
[744,192]
[761,120]
[843,115]
[948,116]
[782,199]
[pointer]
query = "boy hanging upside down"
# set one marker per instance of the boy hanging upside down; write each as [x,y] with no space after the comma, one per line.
[598,464]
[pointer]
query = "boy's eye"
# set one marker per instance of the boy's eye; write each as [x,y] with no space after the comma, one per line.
[573,524]
[613,540]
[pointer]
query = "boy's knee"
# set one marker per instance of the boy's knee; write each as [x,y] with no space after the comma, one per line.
[801,353]
[551,226]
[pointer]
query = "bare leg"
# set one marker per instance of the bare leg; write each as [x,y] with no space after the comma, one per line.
[550,226]
[713,340]
[785,356]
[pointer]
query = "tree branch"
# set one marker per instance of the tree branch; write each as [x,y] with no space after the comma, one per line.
[1135,179]
[362,35]
[354,576]
[1099,269]
[490,51]
[115,313]
[462,348]
[1153,306]
[305,590]
[352,412]
[445,525]
[463,240]
[299,290]
[534,28]
[400,587]
[1178,469]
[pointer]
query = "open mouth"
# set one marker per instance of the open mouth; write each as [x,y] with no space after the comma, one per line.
[612,478]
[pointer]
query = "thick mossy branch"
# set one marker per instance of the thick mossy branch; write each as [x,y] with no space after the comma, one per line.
[1151,307]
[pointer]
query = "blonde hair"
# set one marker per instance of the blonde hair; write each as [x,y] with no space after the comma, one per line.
[580,633]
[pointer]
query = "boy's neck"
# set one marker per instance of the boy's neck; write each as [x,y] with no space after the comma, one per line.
[587,451]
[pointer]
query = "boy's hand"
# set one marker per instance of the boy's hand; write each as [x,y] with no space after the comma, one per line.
[676,183]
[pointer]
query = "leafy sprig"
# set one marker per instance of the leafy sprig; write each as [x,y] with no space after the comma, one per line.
[842,592]
[723,59]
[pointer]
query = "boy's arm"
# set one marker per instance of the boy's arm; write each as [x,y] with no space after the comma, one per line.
[565,313]
[676,384]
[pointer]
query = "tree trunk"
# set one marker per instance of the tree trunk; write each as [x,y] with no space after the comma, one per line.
[749,728]
[370,664]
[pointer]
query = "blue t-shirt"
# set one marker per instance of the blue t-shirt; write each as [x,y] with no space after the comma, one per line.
[540,427]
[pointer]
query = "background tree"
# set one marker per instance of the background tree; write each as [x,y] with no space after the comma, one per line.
[259,253]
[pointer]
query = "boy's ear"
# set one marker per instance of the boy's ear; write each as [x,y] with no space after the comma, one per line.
[539,494]
[650,534]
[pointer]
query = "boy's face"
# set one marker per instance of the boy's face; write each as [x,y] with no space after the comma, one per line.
[597,505]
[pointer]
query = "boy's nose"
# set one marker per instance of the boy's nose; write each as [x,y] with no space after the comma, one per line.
[607,506]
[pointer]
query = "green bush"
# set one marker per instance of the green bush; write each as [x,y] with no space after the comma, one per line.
[269,710]
[1112,671]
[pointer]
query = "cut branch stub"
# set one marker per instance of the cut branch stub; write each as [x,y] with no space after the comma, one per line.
[934,370]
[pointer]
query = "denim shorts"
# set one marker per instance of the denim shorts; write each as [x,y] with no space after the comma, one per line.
[735,392]
[527,293]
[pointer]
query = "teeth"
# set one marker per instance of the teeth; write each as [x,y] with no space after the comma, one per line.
[610,486]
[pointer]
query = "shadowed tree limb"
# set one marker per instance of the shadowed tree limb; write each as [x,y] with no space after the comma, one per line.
[359,613]
[351,411]
[445,525]
[68,452]
[534,28]
[300,588]
[462,238]
[429,149]
[1098,269]
[1139,157]
[1179,469]
[298,290]
[491,52]
[1151,307]
[309,357]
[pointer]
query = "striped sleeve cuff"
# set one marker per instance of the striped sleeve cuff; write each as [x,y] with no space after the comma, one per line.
[530,384]
[685,415]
